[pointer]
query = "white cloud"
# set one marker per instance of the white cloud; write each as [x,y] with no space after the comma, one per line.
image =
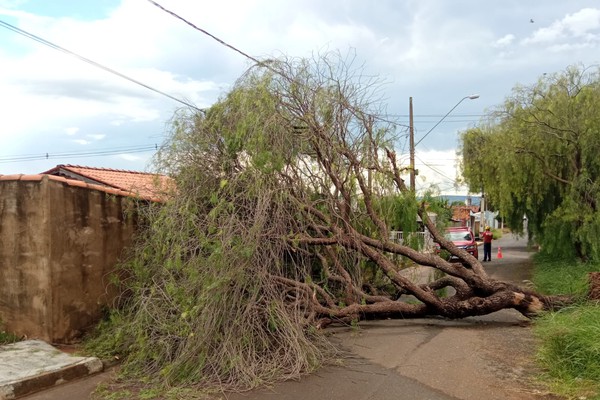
[504,41]
[437,170]
[96,136]
[61,88]
[583,21]
[82,142]
[582,25]
[129,157]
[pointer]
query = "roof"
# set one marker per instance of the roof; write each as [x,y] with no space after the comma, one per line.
[462,213]
[70,182]
[138,184]
[143,185]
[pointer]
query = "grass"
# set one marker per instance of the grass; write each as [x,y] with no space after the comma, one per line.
[569,350]
[497,233]
[562,276]
[7,337]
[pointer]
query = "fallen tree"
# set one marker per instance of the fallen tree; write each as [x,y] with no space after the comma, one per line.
[287,191]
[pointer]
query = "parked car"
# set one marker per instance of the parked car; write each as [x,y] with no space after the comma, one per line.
[463,238]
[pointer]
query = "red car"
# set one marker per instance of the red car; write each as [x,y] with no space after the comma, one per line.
[463,238]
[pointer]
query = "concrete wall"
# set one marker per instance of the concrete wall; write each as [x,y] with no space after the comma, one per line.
[59,242]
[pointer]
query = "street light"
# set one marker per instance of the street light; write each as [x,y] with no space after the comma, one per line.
[470,97]
[413,145]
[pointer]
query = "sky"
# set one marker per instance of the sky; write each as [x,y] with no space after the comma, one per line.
[55,108]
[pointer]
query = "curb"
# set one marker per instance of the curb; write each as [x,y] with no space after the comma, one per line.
[41,367]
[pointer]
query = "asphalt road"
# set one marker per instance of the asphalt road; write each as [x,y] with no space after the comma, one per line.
[515,265]
[487,357]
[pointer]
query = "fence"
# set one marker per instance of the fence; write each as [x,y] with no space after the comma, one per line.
[423,240]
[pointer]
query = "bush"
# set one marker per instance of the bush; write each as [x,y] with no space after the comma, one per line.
[497,233]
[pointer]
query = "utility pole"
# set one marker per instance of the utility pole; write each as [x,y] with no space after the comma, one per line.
[482,212]
[412,145]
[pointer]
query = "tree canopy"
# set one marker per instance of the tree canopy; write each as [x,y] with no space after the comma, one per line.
[536,157]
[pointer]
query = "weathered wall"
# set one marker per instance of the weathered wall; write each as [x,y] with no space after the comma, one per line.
[25,295]
[58,245]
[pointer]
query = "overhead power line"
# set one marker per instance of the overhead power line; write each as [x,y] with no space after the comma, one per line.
[91,62]
[436,170]
[437,115]
[205,32]
[78,154]
[256,60]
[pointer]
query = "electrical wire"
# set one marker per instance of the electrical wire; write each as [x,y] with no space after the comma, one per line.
[254,59]
[444,117]
[78,154]
[437,115]
[437,171]
[91,62]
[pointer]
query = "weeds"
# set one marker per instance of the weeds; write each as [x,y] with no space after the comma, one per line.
[7,337]
[569,349]
[553,276]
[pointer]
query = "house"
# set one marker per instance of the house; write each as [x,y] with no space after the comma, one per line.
[464,215]
[143,185]
[62,234]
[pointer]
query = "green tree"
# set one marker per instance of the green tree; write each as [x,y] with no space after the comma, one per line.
[536,156]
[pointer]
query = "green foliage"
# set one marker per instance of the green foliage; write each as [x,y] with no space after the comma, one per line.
[570,350]
[105,392]
[497,234]
[554,276]
[7,337]
[205,305]
[275,184]
[439,206]
[536,156]
[399,211]
[194,284]
[569,340]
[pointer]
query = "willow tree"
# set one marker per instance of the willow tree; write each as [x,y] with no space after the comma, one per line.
[280,226]
[537,156]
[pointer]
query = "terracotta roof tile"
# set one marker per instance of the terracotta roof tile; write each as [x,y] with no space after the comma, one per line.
[151,193]
[463,212]
[138,184]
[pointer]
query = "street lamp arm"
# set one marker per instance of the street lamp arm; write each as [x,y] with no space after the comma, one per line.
[470,97]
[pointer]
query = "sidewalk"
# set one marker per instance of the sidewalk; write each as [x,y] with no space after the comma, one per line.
[33,365]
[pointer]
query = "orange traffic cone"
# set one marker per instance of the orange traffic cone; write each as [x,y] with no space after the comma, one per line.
[499,252]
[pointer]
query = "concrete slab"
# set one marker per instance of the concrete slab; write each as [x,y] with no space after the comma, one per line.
[33,365]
